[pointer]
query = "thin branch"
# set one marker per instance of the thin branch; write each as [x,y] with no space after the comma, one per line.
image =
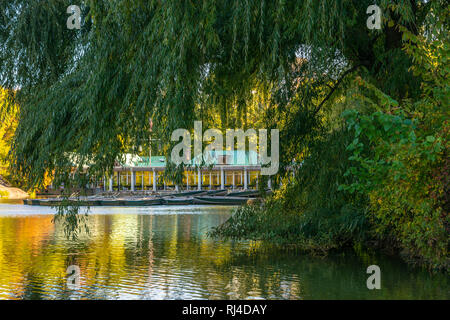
[338,82]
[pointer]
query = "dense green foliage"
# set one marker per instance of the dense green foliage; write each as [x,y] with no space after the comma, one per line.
[293,65]
[93,91]
[401,158]
[393,184]
[308,210]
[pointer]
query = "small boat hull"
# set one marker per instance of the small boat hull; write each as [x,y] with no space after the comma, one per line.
[230,201]
[249,193]
[142,203]
[190,193]
[112,203]
[221,192]
[178,201]
[49,202]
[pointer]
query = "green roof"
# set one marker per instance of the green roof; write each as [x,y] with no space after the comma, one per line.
[231,158]
[157,161]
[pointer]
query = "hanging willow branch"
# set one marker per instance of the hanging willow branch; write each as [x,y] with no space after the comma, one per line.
[91,92]
[334,87]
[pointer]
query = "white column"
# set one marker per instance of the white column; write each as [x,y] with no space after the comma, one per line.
[222,178]
[210,180]
[187,180]
[199,180]
[234,181]
[149,178]
[176,188]
[245,178]
[111,181]
[133,180]
[154,180]
[269,183]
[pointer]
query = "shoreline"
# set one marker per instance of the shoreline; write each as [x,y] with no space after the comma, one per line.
[13,193]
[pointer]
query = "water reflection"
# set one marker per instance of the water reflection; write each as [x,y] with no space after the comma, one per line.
[163,253]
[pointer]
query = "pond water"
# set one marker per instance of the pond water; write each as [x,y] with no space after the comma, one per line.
[164,253]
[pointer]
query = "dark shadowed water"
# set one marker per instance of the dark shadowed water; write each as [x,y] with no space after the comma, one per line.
[164,253]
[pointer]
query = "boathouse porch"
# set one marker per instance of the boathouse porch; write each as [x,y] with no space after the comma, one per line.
[152,178]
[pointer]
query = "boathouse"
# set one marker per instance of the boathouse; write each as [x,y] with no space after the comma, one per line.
[227,170]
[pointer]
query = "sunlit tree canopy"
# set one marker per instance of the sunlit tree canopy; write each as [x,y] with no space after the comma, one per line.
[228,63]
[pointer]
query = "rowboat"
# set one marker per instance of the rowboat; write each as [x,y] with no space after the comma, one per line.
[226,200]
[190,193]
[89,203]
[220,192]
[59,202]
[248,193]
[49,202]
[142,202]
[178,201]
[31,202]
[40,202]
[112,203]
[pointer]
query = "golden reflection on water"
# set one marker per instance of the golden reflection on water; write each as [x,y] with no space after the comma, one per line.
[123,256]
[134,254]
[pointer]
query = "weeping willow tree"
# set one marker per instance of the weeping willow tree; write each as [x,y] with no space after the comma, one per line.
[231,63]
[92,91]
